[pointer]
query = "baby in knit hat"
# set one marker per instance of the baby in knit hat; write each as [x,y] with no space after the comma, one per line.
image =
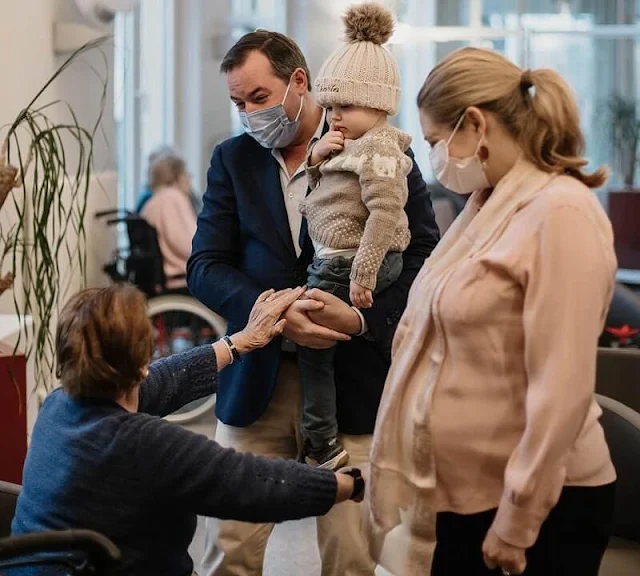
[355,212]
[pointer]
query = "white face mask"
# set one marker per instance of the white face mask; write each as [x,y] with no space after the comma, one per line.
[460,176]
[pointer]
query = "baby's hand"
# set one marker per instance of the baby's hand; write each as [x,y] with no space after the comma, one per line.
[332,141]
[360,297]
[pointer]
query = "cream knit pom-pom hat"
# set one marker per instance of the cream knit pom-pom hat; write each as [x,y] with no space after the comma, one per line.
[362,72]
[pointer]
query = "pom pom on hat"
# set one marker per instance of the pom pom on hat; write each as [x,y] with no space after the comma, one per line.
[368,23]
[362,72]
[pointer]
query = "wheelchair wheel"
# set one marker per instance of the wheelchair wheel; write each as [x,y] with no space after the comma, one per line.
[181,322]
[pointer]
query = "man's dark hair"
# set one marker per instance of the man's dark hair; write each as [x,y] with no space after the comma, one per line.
[283,53]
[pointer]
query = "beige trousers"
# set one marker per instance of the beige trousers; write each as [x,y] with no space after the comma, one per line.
[237,548]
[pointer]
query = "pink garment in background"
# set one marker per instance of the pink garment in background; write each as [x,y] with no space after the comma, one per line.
[171,213]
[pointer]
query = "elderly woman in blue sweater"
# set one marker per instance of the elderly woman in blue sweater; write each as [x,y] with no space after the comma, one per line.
[102,458]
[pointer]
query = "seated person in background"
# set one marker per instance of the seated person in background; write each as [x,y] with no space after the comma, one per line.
[355,212]
[102,459]
[146,193]
[170,211]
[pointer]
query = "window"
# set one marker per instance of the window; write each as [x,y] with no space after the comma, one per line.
[144,91]
[125,102]
[168,90]
[592,43]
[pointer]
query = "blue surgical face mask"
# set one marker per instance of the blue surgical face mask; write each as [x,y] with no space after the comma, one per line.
[271,127]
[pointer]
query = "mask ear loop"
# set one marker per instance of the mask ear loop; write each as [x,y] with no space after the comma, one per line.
[456,128]
[286,93]
[299,109]
[285,98]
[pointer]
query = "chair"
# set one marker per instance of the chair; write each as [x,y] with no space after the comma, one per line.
[625,307]
[618,375]
[624,310]
[622,429]
[65,552]
[8,499]
[142,262]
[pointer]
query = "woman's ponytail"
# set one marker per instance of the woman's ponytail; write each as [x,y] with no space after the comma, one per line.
[548,127]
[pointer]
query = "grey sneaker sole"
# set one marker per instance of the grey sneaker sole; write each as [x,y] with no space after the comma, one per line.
[336,462]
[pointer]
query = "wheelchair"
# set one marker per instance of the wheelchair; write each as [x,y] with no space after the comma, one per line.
[58,553]
[179,321]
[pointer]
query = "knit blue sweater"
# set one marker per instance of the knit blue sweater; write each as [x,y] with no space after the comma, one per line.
[141,480]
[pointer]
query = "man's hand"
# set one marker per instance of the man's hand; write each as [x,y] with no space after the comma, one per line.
[360,296]
[304,331]
[333,313]
[498,554]
[332,141]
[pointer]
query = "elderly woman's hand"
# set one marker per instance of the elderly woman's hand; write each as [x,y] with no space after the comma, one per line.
[265,322]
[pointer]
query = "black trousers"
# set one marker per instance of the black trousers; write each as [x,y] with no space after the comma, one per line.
[571,542]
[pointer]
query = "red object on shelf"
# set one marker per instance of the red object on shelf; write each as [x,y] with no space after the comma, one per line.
[624,332]
[13,414]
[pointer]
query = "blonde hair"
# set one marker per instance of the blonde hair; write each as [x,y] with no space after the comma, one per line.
[537,107]
[165,169]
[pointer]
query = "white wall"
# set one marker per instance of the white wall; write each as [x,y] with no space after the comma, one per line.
[26,37]
[26,40]
[82,86]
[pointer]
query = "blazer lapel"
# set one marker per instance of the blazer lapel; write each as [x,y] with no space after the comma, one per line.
[304,230]
[268,183]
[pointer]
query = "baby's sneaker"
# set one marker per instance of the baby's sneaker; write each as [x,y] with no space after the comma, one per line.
[331,455]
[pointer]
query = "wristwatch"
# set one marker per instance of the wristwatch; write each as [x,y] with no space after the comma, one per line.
[232,348]
[358,482]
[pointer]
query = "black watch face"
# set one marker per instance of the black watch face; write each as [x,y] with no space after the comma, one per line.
[353,472]
[358,487]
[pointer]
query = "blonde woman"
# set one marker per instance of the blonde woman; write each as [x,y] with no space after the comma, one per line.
[487,435]
[170,211]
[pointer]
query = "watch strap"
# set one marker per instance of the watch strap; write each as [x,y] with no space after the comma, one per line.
[358,481]
[232,347]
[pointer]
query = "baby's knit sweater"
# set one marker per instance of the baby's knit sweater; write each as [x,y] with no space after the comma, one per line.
[357,200]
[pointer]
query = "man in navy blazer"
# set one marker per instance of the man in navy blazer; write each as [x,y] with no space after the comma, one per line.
[251,237]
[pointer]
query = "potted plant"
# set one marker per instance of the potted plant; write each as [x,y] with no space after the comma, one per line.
[46,161]
[624,205]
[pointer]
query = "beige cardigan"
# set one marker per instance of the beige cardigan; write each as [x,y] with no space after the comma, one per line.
[490,398]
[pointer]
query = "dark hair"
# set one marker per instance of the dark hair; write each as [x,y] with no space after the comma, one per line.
[282,52]
[104,341]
